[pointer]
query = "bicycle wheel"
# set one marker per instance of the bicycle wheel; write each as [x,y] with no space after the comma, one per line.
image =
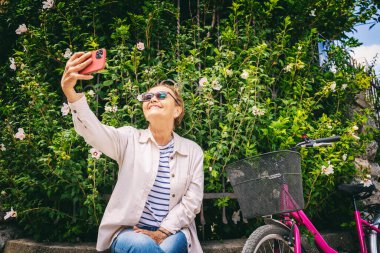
[268,238]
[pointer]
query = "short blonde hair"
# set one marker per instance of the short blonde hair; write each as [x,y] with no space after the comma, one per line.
[170,84]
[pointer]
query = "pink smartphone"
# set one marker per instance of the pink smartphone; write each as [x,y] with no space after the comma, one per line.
[98,62]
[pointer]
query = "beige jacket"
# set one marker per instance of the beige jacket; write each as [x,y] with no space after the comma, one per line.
[137,155]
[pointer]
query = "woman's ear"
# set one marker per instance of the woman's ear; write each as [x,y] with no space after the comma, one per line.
[177,112]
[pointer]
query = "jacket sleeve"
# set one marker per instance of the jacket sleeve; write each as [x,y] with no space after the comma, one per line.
[183,214]
[106,139]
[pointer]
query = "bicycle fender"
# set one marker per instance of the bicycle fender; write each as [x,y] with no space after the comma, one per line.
[270,221]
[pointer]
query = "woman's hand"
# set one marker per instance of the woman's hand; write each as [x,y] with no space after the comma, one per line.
[76,63]
[157,236]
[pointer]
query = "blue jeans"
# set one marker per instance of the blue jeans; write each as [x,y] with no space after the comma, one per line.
[129,241]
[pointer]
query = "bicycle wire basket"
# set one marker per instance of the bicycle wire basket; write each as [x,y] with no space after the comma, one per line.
[267,184]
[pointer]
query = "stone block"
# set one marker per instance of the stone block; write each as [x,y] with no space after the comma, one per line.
[371,151]
[7,233]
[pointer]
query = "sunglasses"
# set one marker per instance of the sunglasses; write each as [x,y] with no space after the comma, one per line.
[160,95]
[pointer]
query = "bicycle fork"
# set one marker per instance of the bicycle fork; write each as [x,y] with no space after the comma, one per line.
[373,235]
[301,218]
[294,235]
[360,231]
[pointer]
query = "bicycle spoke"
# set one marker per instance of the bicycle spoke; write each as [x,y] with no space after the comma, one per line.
[271,248]
[275,246]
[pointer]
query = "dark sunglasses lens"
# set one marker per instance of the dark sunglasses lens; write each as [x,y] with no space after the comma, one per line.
[161,95]
[147,96]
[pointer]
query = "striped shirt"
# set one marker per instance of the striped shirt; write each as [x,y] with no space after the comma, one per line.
[157,204]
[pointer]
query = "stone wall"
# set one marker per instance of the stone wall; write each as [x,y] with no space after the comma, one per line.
[367,160]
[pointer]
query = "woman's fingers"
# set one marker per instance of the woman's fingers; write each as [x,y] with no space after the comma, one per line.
[76,59]
[139,230]
[142,231]
[80,66]
[75,56]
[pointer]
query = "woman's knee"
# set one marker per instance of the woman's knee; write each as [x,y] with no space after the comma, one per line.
[176,243]
[131,242]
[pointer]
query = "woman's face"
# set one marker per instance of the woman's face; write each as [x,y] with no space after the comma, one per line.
[161,111]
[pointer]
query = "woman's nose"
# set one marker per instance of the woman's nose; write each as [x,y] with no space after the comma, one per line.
[154,98]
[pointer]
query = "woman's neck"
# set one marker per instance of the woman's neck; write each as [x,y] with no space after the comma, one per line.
[161,135]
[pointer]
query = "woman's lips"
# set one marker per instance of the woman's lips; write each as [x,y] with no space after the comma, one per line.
[154,106]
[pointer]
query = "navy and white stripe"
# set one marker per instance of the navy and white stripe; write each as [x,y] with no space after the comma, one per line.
[157,205]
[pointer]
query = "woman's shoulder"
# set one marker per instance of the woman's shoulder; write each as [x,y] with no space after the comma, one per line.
[129,130]
[188,143]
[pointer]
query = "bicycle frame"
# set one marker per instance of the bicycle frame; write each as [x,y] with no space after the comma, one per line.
[302,220]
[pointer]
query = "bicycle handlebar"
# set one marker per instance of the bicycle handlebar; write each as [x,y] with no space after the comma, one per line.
[318,142]
[328,139]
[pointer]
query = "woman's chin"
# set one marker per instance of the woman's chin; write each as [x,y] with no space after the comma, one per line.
[158,119]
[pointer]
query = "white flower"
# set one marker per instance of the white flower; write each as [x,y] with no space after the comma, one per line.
[108,108]
[91,93]
[245,74]
[202,82]
[21,29]
[2,147]
[140,46]
[344,86]
[4,193]
[95,153]
[299,48]
[210,169]
[10,214]
[333,86]
[229,72]
[65,109]
[236,216]
[67,53]
[312,13]
[367,181]
[344,157]
[355,128]
[329,126]
[327,170]
[13,64]
[216,85]
[20,134]
[288,68]
[210,102]
[257,111]
[213,225]
[47,4]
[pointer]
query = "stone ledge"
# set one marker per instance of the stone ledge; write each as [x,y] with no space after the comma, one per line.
[343,241]
[28,246]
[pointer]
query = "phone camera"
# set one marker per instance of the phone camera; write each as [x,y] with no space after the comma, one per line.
[99,54]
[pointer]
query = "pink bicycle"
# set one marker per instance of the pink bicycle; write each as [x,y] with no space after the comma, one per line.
[271,183]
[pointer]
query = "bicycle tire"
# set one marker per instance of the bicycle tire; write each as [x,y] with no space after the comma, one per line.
[268,238]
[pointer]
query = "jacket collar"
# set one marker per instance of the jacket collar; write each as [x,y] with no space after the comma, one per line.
[179,145]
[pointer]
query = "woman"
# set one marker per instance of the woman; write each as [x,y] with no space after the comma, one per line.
[160,180]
